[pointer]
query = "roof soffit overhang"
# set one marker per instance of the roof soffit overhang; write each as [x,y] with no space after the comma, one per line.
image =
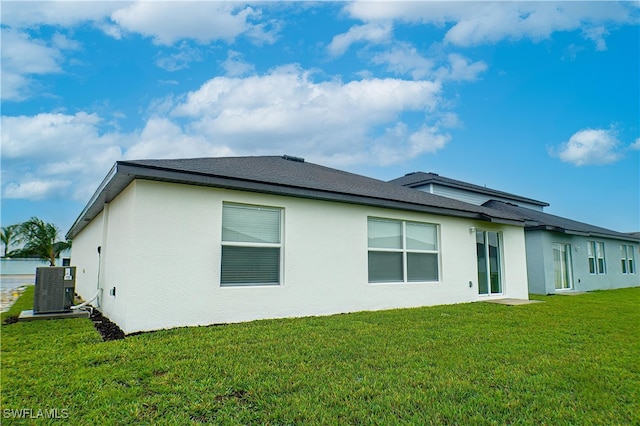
[112,185]
[123,173]
[560,230]
[194,178]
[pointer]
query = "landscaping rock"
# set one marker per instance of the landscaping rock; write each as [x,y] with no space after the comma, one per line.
[8,296]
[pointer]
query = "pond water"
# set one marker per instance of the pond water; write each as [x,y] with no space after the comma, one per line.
[13,281]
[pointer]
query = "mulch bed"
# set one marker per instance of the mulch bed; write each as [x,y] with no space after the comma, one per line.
[107,329]
[12,319]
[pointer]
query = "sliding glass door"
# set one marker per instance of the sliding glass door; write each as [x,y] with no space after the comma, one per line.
[562,266]
[489,262]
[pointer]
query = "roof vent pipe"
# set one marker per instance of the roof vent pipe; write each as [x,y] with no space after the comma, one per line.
[292,158]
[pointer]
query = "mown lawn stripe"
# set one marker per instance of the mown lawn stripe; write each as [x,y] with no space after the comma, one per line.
[570,360]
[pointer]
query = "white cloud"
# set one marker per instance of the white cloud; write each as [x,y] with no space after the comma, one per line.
[35,189]
[28,56]
[284,111]
[24,57]
[373,32]
[26,14]
[449,120]
[168,22]
[46,135]
[473,23]
[288,95]
[165,21]
[62,42]
[180,59]
[427,139]
[596,34]
[635,146]
[112,30]
[235,65]
[590,146]
[399,143]
[44,149]
[460,69]
[404,59]
[13,85]
[290,89]
[161,138]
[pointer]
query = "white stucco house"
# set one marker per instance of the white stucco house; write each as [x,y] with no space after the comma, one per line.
[168,243]
[562,254]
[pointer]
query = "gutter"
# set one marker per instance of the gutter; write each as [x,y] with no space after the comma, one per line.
[104,194]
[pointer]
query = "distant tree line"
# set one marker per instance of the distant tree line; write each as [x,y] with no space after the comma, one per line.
[36,238]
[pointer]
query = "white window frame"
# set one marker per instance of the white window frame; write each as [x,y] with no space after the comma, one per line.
[596,256]
[405,251]
[566,265]
[627,259]
[278,245]
[487,257]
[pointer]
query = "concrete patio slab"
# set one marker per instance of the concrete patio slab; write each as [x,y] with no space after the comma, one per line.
[569,293]
[513,302]
[30,316]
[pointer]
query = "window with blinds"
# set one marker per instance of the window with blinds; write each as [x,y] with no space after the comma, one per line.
[251,245]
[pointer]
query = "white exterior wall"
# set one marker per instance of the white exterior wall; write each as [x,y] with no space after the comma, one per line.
[117,265]
[112,230]
[166,268]
[84,256]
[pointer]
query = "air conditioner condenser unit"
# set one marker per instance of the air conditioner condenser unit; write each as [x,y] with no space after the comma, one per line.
[54,290]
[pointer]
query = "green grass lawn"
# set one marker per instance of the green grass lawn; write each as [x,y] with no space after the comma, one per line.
[570,360]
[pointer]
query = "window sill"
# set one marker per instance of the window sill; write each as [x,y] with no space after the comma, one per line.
[250,286]
[396,283]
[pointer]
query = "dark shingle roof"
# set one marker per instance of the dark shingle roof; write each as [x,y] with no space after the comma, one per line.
[282,176]
[416,179]
[536,220]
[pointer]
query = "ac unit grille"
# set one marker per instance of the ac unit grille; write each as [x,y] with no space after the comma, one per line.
[54,289]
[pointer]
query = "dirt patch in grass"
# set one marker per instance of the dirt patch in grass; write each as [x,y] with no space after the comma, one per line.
[107,329]
[11,319]
[240,395]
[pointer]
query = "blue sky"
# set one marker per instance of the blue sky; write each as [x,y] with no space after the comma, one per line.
[538,99]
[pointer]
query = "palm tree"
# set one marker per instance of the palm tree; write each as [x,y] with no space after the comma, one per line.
[8,236]
[40,240]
